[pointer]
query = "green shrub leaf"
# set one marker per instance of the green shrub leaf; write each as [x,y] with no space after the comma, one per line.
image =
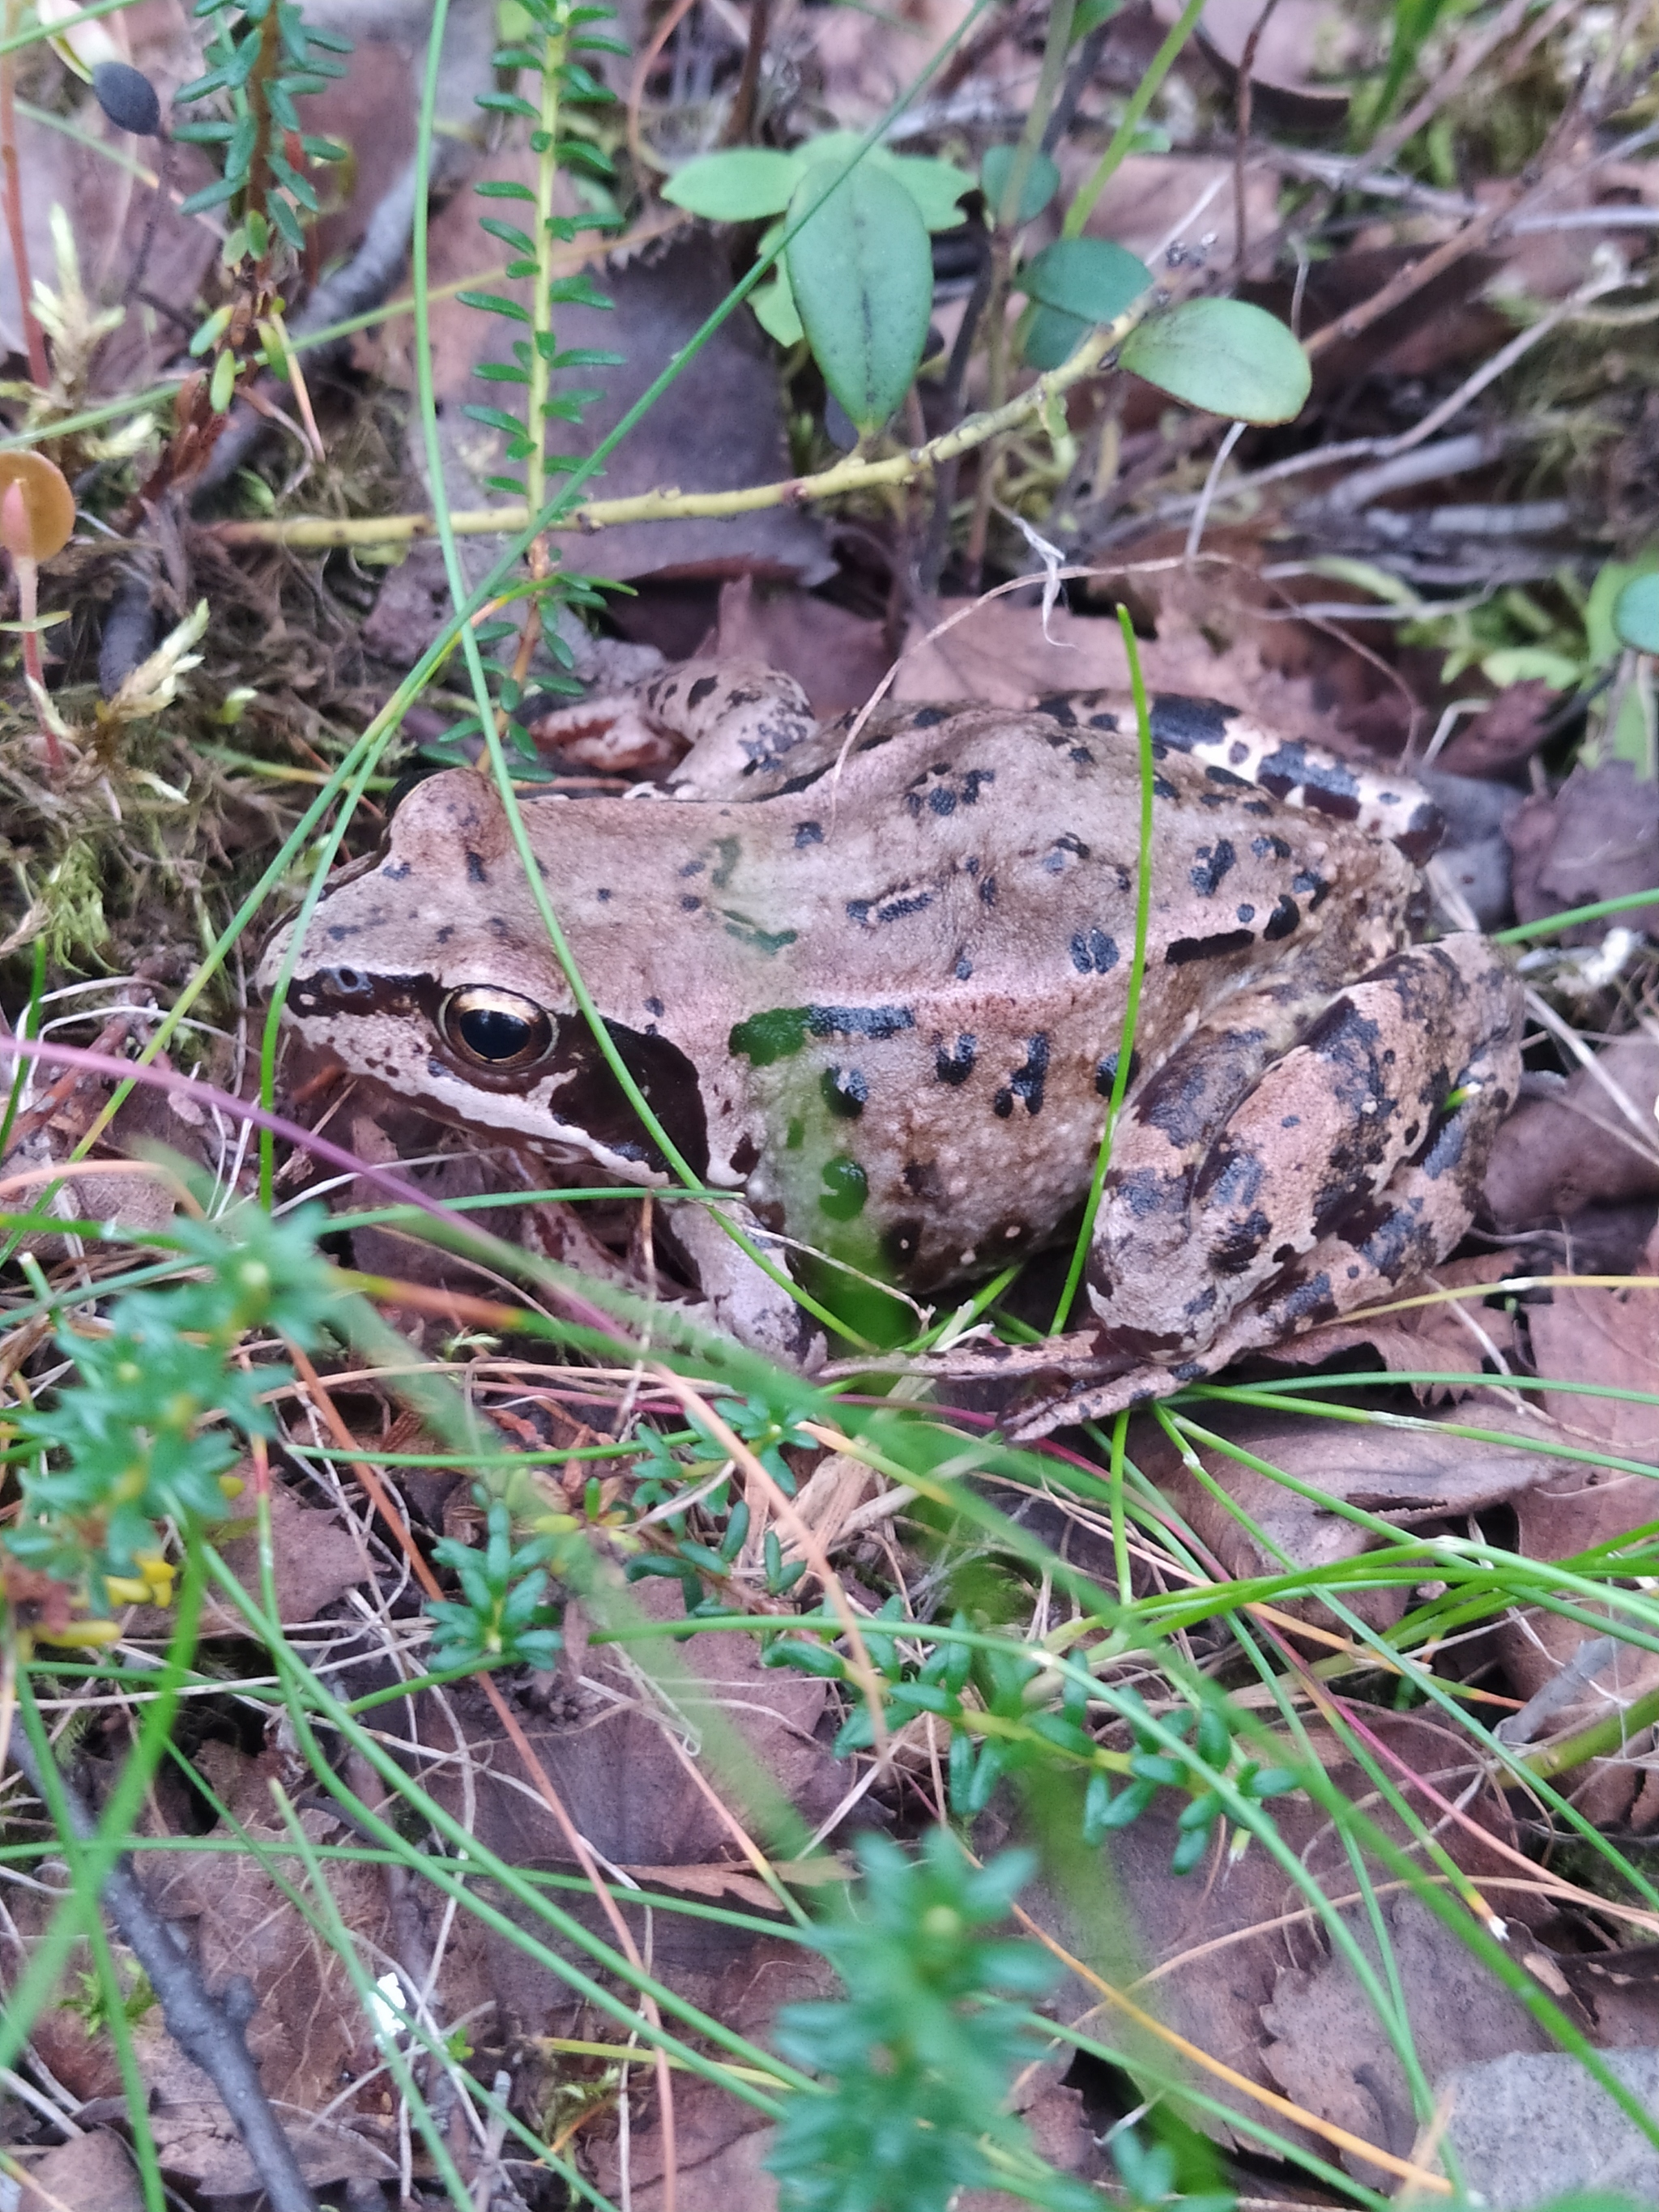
[1225,356]
[1042,182]
[740,185]
[1052,336]
[862,274]
[1089,277]
[935,186]
[1636,614]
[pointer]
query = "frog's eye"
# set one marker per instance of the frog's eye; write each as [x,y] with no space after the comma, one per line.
[496,1029]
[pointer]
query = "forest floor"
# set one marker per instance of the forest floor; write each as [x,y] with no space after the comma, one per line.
[477,1733]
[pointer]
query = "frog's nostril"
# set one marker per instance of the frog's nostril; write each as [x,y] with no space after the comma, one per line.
[349,983]
[499,1031]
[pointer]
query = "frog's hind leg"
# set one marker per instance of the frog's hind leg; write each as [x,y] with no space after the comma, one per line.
[737,717]
[1349,1161]
[1382,1238]
[727,718]
[1392,1220]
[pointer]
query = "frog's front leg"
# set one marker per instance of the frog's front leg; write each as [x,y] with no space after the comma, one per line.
[1363,1144]
[743,1299]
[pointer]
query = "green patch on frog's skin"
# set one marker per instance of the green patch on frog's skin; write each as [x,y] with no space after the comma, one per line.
[778,1034]
[770,942]
[846,1189]
[781,1032]
[822,1186]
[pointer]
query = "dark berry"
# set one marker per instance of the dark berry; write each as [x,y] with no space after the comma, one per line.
[128,98]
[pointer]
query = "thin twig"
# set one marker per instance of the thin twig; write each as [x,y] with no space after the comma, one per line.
[209,2030]
[1242,135]
[35,337]
[1200,513]
[742,101]
[847,476]
[642,69]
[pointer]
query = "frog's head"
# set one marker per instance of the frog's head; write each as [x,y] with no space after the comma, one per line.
[432,974]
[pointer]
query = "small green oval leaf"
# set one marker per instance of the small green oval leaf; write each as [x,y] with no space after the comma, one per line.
[1052,335]
[1636,614]
[1529,664]
[862,274]
[935,186]
[1089,277]
[741,185]
[1224,356]
[1042,182]
[774,309]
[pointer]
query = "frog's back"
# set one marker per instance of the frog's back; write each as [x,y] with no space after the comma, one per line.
[907,961]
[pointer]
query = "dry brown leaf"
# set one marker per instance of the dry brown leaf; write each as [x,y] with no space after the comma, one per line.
[1057,2119]
[1154,195]
[1597,838]
[604,1748]
[1556,1155]
[1450,1336]
[1413,1476]
[309,2031]
[999,653]
[737,1881]
[91,2172]
[863,61]
[1505,733]
[720,2143]
[1611,1337]
[1203,1951]
[317,1559]
[837,657]
[1331,2053]
[719,428]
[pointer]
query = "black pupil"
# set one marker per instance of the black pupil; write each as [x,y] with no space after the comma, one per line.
[493,1034]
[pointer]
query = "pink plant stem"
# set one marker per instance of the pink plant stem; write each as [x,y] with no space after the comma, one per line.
[39,369]
[28,575]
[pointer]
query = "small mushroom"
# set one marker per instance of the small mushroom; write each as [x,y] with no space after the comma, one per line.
[37,515]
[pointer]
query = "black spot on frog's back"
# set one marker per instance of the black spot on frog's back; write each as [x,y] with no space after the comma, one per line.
[1212,863]
[954,1064]
[1093,952]
[1282,921]
[1184,723]
[1181,950]
[845,1092]
[1027,1083]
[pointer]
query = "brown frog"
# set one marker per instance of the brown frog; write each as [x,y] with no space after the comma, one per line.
[878,989]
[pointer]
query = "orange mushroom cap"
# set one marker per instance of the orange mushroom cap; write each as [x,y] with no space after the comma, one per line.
[37,507]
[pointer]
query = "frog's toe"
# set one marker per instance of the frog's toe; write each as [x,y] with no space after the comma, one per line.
[1085,1400]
